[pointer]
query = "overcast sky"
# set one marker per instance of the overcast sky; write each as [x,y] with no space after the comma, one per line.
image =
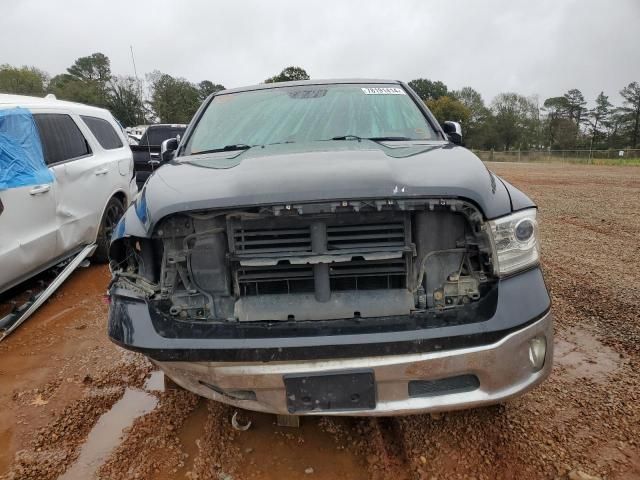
[542,47]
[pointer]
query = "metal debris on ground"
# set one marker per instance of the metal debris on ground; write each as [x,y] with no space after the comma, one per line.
[19,314]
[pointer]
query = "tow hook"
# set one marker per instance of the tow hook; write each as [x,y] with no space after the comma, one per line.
[237,426]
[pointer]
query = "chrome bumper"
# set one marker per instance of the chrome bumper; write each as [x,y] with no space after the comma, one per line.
[503,370]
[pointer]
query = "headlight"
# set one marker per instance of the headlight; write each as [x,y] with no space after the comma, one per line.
[515,240]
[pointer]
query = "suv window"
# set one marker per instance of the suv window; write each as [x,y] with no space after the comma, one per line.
[103,131]
[61,138]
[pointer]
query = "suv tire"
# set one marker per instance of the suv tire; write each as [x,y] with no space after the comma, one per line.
[110,219]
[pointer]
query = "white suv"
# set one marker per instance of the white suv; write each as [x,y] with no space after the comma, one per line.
[66,176]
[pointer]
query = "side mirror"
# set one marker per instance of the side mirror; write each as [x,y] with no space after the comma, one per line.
[453,131]
[168,149]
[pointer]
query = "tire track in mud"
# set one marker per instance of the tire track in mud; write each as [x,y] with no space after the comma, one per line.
[388,457]
[217,457]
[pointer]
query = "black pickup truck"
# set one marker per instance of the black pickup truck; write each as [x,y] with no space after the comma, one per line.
[146,154]
[326,247]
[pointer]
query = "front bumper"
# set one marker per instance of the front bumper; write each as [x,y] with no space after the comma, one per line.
[218,360]
[503,370]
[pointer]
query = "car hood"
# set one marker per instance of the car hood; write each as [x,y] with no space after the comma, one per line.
[285,174]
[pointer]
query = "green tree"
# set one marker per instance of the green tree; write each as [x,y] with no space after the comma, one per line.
[86,81]
[615,129]
[516,121]
[448,108]
[125,101]
[427,89]
[560,130]
[477,131]
[67,87]
[576,106]
[557,107]
[207,87]
[22,81]
[174,100]
[598,117]
[289,74]
[92,68]
[631,110]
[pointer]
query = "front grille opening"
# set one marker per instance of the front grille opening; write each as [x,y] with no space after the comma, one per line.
[443,386]
[368,283]
[272,240]
[343,234]
[354,236]
[274,287]
[344,237]
[368,275]
[354,275]
[274,279]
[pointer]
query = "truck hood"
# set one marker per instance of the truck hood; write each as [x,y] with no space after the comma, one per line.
[287,174]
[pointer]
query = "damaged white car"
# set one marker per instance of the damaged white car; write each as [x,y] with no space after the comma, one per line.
[66,176]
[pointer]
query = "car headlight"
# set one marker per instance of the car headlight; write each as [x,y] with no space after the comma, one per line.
[515,240]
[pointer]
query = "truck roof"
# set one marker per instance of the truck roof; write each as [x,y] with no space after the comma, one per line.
[334,81]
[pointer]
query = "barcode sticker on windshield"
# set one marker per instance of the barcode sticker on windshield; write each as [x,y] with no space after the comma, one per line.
[383,91]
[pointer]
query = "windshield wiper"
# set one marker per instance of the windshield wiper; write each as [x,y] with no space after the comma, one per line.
[373,139]
[226,148]
[390,139]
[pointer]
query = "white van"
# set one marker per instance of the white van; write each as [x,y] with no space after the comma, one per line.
[66,177]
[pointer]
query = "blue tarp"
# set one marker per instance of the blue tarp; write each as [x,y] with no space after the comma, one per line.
[21,159]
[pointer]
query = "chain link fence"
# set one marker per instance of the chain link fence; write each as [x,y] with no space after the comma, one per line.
[595,157]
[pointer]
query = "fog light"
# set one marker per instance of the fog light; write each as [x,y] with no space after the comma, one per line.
[537,352]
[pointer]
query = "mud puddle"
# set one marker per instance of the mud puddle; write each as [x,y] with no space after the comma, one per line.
[155,382]
[107,432]
[581,355]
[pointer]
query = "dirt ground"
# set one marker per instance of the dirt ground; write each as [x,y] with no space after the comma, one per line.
[74,406]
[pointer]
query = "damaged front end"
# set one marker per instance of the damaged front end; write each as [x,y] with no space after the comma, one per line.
[359,307]
[307,262]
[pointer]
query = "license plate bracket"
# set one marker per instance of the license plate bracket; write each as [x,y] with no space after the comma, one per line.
[333,391]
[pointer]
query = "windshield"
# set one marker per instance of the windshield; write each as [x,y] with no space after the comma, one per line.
[156,135]
[309,113]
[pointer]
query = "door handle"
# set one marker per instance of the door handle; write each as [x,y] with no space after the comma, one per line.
[102,171]
[40,189]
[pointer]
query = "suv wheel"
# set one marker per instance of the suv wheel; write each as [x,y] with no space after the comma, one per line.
[110,219]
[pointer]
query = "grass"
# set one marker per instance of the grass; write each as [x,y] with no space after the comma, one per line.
[541,158]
